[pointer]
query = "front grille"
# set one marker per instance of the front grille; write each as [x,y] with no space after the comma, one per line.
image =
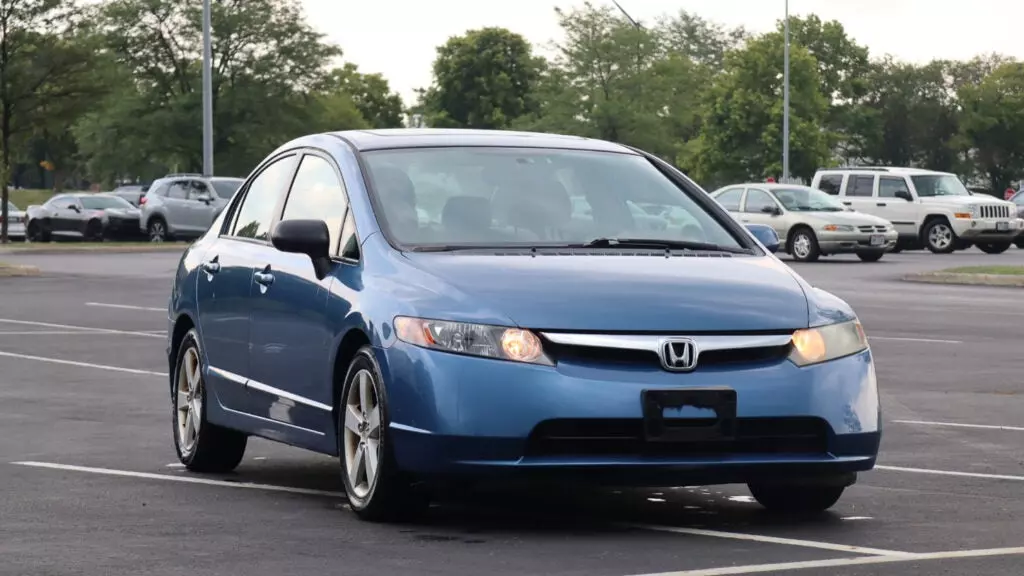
[593,355]
[993,211]
[871,228]
[625,437]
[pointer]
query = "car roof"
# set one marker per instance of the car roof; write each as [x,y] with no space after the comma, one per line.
[902,170]
[389,138]
[765,185]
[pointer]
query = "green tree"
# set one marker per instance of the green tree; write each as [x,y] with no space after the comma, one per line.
[371,95]
[45,61]
[993,123]
[269,66]
[703,42]
[741,132]
[485,78]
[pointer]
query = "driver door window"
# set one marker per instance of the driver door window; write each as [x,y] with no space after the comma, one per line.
[758,202]
[889,187]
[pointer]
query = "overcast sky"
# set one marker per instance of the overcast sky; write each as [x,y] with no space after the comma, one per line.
[397,37]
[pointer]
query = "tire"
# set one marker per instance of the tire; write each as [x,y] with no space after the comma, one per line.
[210,448]
[1019,242]
[799,499]
[872,256]
[938,236]
[383,493]
[37,232]
[803,245]
[94,231]
[994,247]
[156,229]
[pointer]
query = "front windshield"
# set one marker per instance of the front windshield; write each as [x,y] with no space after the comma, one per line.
[226,188]
[522,196]
[104,202]
[807,200]
[930,185]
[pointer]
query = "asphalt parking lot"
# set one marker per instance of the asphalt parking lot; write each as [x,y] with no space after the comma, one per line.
[90,485]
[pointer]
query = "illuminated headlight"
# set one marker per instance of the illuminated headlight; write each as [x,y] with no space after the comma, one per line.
[837,228]
[816,345]
[499,342]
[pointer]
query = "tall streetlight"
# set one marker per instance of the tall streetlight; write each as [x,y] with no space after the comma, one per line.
[785,104]
[207,92]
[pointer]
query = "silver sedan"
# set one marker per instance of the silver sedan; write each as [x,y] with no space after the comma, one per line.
[810,222]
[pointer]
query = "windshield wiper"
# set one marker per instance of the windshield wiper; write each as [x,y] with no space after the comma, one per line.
[658,244]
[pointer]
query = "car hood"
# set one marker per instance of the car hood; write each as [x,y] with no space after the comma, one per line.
[964,200]
[611,293]
[123,212]
[847,218]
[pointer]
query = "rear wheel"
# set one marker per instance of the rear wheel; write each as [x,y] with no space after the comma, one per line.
[872,256]
[782,498]
[201,446]
[993,247]
[377,490]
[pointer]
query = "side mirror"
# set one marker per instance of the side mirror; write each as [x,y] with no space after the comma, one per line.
[309,237]
[73,207]
[904,195]
[773,210]
[205,198]
[765,235]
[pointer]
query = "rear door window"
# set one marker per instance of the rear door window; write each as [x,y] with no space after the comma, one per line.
[861,185]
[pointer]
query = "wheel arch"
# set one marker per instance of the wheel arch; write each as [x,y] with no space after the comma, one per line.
[182,324]
[353,340]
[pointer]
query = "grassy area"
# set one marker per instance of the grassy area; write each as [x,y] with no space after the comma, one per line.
[994,270]
[24,198]
[15,270]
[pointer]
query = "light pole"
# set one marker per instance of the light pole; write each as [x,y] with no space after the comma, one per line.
[785,103]
[207,92]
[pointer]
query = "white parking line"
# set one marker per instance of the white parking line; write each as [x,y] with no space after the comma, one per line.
[126,307]
[188,479]
[771,540]
[761,568]
[926,340]
[952,473]
[46,333]
[81,364]
[84,328]
[957,425]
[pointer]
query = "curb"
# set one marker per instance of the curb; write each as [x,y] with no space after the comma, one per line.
[145,248]
[967,279]
[13,271]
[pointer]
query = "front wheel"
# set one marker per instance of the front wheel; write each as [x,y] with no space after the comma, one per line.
[377,490]
[1019,242]
[157,230]
[804,246]
[201,446]
[939,237]
[794,498]
[993,247]
[873,256]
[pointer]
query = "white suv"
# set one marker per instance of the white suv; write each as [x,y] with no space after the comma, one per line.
[926,207]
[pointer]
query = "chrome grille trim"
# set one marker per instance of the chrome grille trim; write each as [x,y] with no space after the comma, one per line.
[651,343]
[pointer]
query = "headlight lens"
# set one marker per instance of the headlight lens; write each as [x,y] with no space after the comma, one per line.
[498,342]
[837,228]
[816,345]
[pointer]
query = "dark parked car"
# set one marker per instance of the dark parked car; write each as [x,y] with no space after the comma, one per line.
[432,305]
[133,193]
[89,216]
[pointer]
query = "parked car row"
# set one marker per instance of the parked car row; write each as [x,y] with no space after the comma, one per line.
[873,210]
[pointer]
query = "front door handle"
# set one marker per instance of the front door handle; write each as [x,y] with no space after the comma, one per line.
[211,267]
[264,277]
[880,204]
[848,203]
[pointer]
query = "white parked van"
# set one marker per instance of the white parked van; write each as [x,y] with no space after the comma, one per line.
[926,207]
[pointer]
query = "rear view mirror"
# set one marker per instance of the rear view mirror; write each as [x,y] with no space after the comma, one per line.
[309,237]
[765,235]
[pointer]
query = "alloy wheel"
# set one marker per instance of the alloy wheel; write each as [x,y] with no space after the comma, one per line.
[801,246]
[190,400]
[362,434]
[940,236]
[157,233]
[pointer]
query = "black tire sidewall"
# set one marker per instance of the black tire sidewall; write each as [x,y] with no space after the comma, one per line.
[191,340]
[364,359]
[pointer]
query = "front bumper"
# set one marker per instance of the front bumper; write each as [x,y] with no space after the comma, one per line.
[848,242]
[464,415]
[123,228]
[989,230]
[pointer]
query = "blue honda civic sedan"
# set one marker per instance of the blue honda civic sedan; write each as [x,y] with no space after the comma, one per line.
[434,307]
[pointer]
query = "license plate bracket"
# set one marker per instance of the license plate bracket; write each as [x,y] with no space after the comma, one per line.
[1002,226]
[658,428]
[877,240]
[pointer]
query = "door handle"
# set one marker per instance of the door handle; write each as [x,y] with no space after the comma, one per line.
[264,277]
[848,203]
[211,267]
[880,204]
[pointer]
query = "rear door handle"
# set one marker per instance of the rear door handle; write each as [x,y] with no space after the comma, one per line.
[848,203]
[880,204]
